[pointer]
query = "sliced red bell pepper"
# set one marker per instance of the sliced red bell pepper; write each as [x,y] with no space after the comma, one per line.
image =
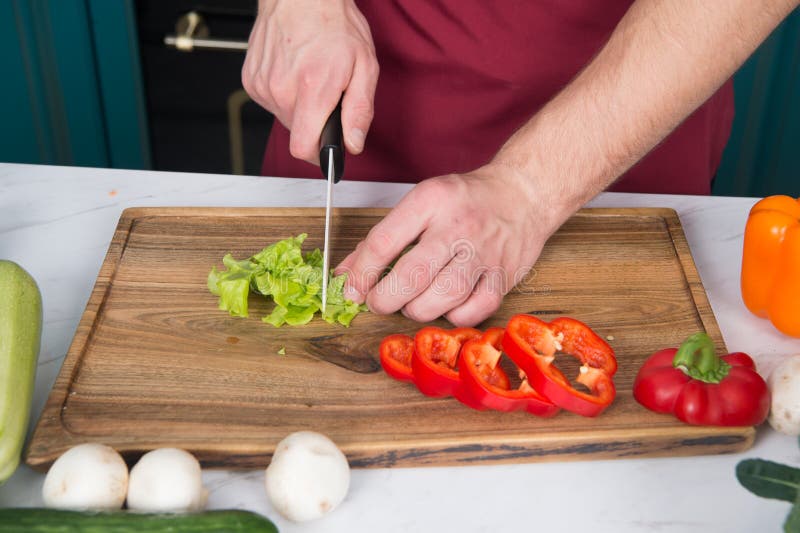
[435,359]
[697,386]
[487,386]
[533,344]
[396,351]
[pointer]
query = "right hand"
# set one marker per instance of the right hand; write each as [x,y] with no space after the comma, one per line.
[302,55]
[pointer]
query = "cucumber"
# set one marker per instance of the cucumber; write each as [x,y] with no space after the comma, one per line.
[33,520]
[20,337]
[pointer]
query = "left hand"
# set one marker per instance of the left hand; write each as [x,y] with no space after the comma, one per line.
[474,236]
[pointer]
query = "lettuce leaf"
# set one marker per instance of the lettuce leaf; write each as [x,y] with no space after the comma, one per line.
[291,279]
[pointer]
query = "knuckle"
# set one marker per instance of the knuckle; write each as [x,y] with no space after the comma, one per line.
[253,84]
[460,322]
[358,251]
[363,279]
[450,286]
[245,77]
[368,62]
[496,283]
[461,318]
[476,310]
[417,276]
[462,284]
[279,90]
[308,79]
[492,302]
[434,192]
[378,304]
[379,243]
[298,148]
[431,187]
[420,310]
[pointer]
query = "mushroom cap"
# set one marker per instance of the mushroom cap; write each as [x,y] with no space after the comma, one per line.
[167,480]
[308,476]
[88,476]
[784,384]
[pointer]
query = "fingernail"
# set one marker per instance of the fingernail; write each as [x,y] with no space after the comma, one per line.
[357,137]
[350,293]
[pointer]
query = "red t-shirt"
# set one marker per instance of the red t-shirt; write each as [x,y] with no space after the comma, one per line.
[458,77]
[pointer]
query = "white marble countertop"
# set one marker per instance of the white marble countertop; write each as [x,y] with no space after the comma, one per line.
[57,223]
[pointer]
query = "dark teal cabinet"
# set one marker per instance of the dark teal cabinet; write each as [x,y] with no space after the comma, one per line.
[72,95]
[763,153]
[72,92]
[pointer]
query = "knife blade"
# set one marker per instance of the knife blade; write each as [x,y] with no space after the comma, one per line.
[331,161]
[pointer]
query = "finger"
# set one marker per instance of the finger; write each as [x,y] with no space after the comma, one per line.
[346,266]
[358,283]
[252,64]
[451,287]
[358,103]
[367,277]
[411,275]
[315,102]
[484,302]
[384,242]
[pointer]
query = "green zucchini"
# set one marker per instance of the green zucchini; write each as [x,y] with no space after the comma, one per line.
[20,337]
[33,520]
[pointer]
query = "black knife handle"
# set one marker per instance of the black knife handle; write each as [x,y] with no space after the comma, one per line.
[332,139]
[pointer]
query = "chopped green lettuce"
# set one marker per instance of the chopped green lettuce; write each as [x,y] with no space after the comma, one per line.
[291,279]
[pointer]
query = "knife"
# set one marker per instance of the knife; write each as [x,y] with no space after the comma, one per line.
[331,161]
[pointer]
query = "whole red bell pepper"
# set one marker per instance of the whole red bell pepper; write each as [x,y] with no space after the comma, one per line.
[487,385]
[697,386]
[435,358]
[533,344]
[395,354]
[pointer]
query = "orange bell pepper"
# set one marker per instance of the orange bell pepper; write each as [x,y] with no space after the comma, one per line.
[771,262]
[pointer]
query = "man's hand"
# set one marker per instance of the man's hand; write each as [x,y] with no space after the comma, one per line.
[302,55]
[474,237]
[478,232]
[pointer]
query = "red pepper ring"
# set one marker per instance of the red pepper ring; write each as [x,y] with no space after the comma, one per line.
[435,358]
[395,354]
[488,386]
[533,344]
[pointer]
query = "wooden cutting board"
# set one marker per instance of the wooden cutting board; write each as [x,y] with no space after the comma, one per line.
[154,363]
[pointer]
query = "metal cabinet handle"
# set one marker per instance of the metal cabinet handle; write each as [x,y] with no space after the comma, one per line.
[191,32]
[187,44]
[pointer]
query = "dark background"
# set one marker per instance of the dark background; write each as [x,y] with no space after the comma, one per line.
[186,93]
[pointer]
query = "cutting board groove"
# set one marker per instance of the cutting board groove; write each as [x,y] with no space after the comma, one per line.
[154,363]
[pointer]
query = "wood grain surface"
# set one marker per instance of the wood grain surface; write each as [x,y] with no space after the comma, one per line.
[154,363]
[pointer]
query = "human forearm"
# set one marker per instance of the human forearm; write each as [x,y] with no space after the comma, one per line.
[665,58]
[474,235]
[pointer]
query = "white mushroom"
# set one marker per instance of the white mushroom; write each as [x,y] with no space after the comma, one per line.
[308,476]
[167,480]
[784,384]
[87,477]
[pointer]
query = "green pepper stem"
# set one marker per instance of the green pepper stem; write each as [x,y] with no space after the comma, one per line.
[697,359]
